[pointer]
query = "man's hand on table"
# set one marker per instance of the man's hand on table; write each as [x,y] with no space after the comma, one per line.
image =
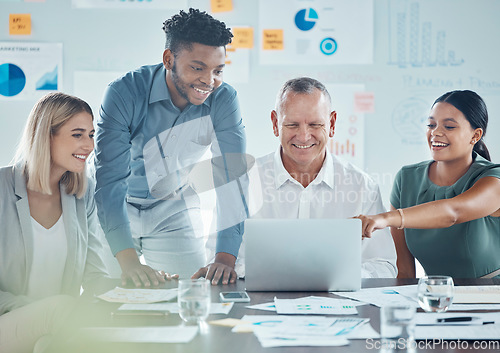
[222,269]
[141,275]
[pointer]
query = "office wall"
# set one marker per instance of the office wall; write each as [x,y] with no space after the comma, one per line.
[405,77]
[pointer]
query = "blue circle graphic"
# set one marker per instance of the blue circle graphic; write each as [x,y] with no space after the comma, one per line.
[328,46]
[305,21]
[12,80]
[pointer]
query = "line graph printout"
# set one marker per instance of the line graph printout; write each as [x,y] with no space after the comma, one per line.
[319,32]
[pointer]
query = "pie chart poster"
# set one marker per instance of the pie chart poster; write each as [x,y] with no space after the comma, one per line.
[29,70]
[318,32]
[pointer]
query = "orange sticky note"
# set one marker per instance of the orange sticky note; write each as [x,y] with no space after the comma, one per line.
[243,37]
[222,5]
[364,102]
[20,23]
[272,39]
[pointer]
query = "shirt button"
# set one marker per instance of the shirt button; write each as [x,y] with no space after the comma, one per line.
[173,136]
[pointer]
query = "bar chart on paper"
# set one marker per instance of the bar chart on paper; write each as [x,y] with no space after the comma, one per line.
[419,41]
[345,148]
[348,138]
[347,142]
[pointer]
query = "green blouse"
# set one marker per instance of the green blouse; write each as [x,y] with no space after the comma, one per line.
[466,250]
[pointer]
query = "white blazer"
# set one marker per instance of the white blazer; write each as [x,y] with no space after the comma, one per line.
[83,263]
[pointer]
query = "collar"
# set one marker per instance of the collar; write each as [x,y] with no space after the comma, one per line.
[281,175]
[160,92]
[19,181]
[159,88]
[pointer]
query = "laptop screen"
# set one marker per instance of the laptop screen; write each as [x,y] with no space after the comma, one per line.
[303,254]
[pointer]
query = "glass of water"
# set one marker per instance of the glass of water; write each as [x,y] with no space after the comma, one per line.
[435,293]
[194,300]
[397,322]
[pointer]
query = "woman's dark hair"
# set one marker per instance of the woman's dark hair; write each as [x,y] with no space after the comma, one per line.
[472,106]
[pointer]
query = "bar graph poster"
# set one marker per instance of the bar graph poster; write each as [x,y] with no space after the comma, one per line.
[348,140]
[29,70]
[130,4]
[317,32]
[418,36]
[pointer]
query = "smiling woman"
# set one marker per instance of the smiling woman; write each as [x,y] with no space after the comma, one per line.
[446,212]
[50,114]
[47,223]
[71,144]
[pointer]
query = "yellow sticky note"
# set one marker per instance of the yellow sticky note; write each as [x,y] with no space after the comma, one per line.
[272,39]
[243,37]
[20,23]
[222,5]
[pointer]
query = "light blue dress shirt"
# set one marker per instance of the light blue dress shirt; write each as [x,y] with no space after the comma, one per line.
[136,114]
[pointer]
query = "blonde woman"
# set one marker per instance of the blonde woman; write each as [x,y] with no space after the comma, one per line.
[48,249]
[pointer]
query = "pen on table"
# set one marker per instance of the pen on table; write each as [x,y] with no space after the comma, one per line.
[463,319]
[456,319]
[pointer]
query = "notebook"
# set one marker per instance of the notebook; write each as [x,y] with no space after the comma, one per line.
[303,254]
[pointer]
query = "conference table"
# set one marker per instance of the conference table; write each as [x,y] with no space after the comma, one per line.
[216,339]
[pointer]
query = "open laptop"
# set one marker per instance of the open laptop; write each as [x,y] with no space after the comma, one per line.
[302,254]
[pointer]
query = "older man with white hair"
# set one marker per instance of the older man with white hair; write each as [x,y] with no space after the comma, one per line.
[301,179]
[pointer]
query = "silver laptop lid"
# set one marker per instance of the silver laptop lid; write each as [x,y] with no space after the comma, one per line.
[303,254]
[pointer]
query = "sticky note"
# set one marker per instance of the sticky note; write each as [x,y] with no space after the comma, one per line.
[272,39]
[19,23]
[364,102]
[222,5]
[243,37]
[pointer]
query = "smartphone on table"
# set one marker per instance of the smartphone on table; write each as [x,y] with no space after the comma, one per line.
[239,297]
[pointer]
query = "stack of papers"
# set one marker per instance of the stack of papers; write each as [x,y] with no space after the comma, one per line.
[456,319]
[138,295]
[477,294]
[398,295]
[315,306]
[407,295]
[476,326]
[307,330]
[279,330]
[311,306]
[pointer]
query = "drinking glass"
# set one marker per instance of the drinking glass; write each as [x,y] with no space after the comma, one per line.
[194,300]
[397,322]
[435,293]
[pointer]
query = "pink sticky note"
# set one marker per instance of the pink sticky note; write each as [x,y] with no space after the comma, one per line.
[364,102]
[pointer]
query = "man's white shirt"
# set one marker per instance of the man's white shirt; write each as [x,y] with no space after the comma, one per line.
[340,190]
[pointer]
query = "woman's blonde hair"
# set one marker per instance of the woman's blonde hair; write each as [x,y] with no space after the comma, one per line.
[33,151]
